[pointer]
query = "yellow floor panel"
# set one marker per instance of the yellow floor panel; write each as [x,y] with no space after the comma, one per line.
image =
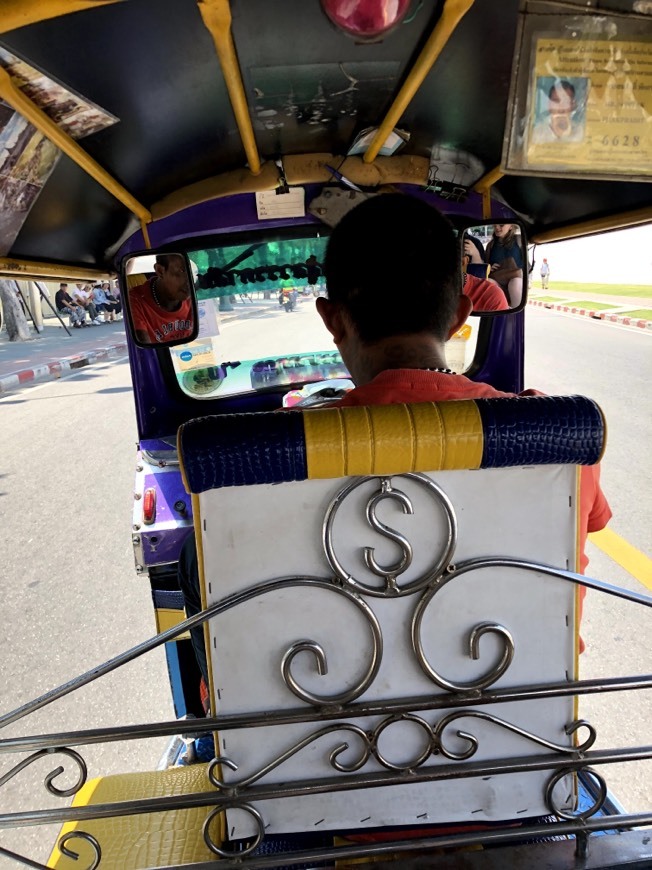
[147,840]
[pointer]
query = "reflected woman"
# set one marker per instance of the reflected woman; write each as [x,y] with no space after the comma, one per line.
[505,258]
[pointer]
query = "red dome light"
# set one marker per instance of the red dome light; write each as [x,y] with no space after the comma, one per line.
[366,20]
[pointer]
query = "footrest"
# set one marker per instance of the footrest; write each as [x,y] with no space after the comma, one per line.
[147,840]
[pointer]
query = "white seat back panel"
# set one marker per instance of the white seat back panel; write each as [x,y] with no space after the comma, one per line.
[275,531]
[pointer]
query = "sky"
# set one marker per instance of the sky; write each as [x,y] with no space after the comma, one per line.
[621,257]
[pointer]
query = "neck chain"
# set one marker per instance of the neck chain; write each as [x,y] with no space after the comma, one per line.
[441,371]
[152,286]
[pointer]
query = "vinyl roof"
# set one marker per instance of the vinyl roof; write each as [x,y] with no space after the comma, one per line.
[153,65]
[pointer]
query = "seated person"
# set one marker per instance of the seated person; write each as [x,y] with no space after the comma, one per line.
[161,308]
[102,303]
[113,297]
[397,355]
[474,257]
[83,297]
[505,258]
[65,306]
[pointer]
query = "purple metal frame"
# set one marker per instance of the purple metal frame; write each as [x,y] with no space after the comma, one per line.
[159,411]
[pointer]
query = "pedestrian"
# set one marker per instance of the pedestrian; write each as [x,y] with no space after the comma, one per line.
[545,274]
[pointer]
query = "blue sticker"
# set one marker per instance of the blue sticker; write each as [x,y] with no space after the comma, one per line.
[185,355]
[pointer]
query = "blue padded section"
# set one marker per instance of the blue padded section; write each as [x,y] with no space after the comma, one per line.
[171,599]
[243,449]
[541,430]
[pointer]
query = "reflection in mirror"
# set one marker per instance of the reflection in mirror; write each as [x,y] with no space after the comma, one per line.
[493,261]
[259,329]
[159,299]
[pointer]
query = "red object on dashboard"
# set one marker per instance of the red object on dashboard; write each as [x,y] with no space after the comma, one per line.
[366,19]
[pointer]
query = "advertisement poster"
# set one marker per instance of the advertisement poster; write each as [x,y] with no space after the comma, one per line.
[27,157]
[590,106]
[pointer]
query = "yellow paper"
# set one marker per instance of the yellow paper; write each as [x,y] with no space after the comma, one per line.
[590,106]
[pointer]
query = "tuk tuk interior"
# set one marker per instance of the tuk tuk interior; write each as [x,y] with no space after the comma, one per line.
[203,138]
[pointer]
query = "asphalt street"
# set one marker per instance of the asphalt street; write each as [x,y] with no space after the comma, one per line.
[71,598]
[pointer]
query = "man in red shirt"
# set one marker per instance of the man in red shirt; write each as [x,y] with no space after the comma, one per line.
[161,309]
[485,294]
[388,247]
[395,352]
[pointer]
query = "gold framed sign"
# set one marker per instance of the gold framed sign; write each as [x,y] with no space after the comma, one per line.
[582,99]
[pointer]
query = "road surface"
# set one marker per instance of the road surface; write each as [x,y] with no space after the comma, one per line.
[71,598]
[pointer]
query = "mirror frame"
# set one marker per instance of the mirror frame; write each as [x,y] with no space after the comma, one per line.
[462,223]
[152,252]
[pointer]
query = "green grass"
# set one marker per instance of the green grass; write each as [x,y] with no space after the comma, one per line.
[548,298]
[594,306]
[639,313]
[637,291]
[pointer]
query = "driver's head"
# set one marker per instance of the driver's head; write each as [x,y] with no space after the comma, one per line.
[393,266]
[172,277]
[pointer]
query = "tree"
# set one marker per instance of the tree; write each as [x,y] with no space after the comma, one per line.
[14,316]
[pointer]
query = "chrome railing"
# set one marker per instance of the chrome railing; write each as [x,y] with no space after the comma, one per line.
[336,733]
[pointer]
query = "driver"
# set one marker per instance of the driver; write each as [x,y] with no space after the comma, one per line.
[161,308]
[394,350]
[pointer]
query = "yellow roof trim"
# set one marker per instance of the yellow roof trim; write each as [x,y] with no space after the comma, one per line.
[31,112]
[217,18]
[22,269]
[299,169]
[452,14]
[622,221]
[488,180]
[21,13]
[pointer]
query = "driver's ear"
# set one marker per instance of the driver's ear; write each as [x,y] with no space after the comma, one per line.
[332,315]
[464,308]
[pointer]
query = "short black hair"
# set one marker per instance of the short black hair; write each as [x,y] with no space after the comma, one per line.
[394,264]
[164,259]
[564,85]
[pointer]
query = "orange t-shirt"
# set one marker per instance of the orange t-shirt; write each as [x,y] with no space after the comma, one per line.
[486,295]
[159,324]
[420,385]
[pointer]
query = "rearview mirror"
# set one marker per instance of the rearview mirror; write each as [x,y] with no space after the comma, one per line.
[160,300]
[494,265]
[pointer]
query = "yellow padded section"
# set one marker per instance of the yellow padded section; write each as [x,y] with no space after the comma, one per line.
[392,439]
[147,840]
[167,617]
[135,280]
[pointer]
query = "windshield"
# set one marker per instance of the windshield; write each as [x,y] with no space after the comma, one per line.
[258,324]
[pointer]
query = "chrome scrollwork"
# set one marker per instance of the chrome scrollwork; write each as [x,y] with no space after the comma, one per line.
[50,777]
[87,838]
[391,588]
[428,750]
[250,847]
[487,717]
[567,814]
[319,656]
[333,758]
[477,632]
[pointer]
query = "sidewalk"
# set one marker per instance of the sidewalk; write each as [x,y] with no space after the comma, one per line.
[54,353]
[610,308]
